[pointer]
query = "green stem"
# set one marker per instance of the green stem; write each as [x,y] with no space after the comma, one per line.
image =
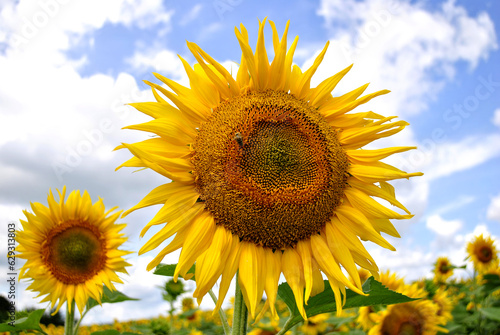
[240,317]
[70,318]
[222,315]
[286,327]
[79,321]
[171,312]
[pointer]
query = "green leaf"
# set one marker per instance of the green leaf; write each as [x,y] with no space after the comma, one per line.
[30,322]
[110,297]
[492,283]
[169,270]
[492,313]
[324,302]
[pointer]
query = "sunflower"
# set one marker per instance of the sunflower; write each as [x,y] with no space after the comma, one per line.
[442,270]
[483,253]
[268,175]
[71,249]
[416,317]
[444,303]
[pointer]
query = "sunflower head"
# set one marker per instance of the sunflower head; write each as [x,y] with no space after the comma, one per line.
[444,303]
[443,269]
[71,249]
[415,317]
[483,253]
[268,175]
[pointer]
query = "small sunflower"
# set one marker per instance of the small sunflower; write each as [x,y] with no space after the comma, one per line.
[442,270]
[444,303]
[71,249]
[416,317]
[367,315]
[268,175]
[315,325]
[483,253]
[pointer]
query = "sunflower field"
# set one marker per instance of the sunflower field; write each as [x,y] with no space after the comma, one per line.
[470,305]
[268,183]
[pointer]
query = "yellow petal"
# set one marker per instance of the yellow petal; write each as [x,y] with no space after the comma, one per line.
[372,174]
[251,274]
[158,195]
[304,250]
[327,262]
[273,271]
[323,91]
[209,264]
[341,253]
[370,207]
[174,207]
[261,61]
[294,275]
[358,223]
[385,191]
[197,241]
[228,272]
[171,228]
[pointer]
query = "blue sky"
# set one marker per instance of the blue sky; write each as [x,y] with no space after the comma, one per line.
[68,67]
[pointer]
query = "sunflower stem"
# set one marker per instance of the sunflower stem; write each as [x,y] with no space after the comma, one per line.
[70,318]
[286,326]
[240,317]
[75,332]
[222,315]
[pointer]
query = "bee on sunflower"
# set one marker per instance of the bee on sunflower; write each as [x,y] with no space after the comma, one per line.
[266,175]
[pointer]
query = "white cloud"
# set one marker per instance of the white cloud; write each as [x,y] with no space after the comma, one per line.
[454,205]
[494,209]
[444,159]
[496,117]
[25,22]
[402,46]
[443,227]
[414,261]
[191,15]
[162,61]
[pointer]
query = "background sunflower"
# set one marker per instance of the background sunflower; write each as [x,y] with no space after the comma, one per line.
[71,249]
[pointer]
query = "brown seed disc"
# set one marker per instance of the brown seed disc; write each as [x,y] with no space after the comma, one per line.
[74,251]
[485,254]
[269,168]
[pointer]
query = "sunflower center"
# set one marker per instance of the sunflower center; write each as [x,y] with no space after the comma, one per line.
[444,268]
[408,328]
[269,168]
[74,252]
[405,321]
[485,255]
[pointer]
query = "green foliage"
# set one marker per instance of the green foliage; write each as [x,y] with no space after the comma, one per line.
[324,302]
[29,322]
[159,327]
[169,269]
[110,297]
[112,332]
[478,312]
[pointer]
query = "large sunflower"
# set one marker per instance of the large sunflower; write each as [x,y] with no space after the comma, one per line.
[267,175]
[71,249]
[483,253]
